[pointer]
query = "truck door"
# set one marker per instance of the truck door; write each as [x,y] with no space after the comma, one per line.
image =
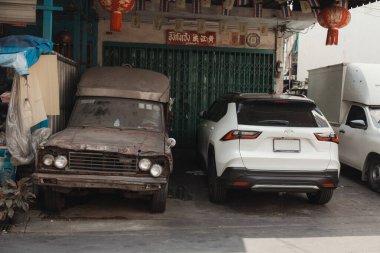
[352,137]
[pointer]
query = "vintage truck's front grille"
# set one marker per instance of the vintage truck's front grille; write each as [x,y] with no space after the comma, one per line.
[101,162]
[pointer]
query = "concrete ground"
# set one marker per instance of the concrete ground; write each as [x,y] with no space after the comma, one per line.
[248,222]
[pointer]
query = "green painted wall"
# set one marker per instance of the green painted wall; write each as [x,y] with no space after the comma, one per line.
[198,75]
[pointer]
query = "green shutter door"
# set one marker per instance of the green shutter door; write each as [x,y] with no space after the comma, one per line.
[198,76]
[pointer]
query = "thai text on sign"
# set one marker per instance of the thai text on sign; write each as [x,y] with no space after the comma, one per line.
[191,38]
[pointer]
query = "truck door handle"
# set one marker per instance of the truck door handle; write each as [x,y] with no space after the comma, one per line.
[342,131]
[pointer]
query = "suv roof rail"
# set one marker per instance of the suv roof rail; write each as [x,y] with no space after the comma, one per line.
[299,95]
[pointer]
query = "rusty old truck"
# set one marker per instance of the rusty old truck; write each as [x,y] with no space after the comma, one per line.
[117,138]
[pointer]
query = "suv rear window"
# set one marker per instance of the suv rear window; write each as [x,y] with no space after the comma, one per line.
[279,113]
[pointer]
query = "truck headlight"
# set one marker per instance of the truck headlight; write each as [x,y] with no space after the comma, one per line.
[60,162]
[156,170]
[144,164]
[48,160]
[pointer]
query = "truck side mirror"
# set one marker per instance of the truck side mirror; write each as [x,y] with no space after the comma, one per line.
[360,124]
[202,114]
[171,142]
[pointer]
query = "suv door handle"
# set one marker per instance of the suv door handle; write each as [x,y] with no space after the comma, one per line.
[342,131]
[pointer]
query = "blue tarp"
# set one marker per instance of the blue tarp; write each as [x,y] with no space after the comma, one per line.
[22,51]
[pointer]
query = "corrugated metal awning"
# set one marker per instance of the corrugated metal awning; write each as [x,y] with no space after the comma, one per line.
[18,11]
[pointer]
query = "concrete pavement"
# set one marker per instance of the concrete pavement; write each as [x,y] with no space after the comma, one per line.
[248,222]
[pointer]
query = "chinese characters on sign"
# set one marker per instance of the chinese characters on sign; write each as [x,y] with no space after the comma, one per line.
[191,38]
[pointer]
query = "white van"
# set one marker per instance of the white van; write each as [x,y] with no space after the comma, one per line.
[349,96]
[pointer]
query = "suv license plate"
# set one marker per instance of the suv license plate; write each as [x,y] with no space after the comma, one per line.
[286,145]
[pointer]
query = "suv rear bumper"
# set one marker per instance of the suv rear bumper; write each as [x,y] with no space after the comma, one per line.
[141,184]
[297,181]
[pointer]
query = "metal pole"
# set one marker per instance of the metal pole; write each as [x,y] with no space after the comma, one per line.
[48,20]
[48,8]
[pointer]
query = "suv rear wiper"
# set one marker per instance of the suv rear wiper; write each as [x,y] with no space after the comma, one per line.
[274,122]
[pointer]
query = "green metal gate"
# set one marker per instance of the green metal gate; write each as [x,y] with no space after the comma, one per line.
[198,75]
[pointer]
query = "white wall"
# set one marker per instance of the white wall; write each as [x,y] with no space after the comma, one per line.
[358,42]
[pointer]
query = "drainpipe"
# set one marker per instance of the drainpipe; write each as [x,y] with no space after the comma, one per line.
[84,5]
[76,34]
[278,59]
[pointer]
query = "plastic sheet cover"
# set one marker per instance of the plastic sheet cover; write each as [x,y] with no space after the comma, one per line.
[22,51]
[21,142]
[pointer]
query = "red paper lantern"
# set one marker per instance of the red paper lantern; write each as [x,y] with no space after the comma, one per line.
[333,18]
[117,7]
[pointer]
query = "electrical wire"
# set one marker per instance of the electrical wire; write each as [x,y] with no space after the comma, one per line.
[303,31]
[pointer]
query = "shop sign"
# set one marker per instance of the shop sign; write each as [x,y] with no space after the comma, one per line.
[191,38]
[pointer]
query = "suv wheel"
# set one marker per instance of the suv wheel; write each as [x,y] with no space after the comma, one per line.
[216,191]
[374,175]
[53,201]
[321,197]
[158,202]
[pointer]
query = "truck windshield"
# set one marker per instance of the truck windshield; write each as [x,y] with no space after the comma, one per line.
[375,115]
[117,113]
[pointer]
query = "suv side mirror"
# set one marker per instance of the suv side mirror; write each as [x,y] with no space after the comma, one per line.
[360,124]
[202,114]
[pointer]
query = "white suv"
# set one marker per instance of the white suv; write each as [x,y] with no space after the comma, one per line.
[268,143]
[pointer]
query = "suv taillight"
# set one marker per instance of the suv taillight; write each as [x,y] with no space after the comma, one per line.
[236,134]
[328,137]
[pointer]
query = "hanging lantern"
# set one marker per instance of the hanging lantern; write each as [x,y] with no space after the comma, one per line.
[117,8]
[333,18]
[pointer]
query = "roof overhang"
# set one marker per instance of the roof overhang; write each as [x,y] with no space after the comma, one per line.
[271,17]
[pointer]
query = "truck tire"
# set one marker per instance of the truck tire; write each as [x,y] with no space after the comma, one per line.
[158,202]
[216,190]
[53,201]
[374,175]
[321,197]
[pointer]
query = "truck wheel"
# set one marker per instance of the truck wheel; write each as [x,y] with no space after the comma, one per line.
[158,202]
[321,197]
[216,191]
[53,201]
[374,175]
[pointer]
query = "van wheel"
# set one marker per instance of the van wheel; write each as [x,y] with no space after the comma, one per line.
[321,197]
[374,175]
[158,202]
[53,201]
[216,191]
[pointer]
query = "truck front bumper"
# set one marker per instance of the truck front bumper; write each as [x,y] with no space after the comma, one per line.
[101,182]
[297,181]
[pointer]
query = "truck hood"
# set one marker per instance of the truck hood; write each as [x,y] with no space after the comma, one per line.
[109,140]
